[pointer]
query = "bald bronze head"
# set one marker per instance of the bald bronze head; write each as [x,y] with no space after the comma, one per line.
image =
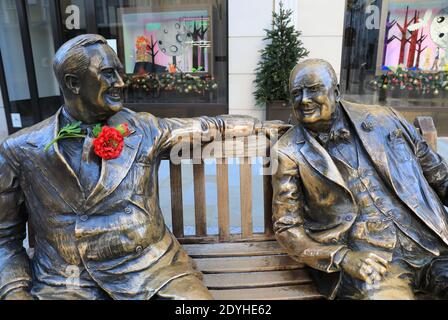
[90,76]
[315,94]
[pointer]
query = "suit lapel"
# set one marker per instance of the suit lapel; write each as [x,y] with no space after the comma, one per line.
[52,165]
[320,160]
[371,134]
[114,171]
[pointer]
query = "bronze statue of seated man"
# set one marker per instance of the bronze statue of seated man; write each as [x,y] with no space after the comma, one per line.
[359,195]
[92,197]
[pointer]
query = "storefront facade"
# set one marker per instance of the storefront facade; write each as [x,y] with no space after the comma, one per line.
[174,53]
[220,68]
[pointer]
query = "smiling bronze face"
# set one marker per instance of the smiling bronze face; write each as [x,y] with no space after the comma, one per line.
[102,84]
[315,94]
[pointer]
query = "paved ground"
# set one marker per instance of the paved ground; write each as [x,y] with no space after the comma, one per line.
[234,193]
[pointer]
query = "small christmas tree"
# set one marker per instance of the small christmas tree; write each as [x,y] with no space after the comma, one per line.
[278,58]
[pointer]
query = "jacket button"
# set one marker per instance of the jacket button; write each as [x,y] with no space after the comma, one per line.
[139,249]
[84,217]
[127,210]
[379,202]
[348,218]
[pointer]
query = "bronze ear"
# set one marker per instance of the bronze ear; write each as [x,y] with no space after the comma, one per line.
[337,92]
[72,83]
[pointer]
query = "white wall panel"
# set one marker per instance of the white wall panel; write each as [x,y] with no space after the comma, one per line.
[320,17]
[241,87]
[245,54]
[327,48]
[248,18]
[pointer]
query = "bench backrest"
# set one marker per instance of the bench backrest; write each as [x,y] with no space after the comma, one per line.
[248,151]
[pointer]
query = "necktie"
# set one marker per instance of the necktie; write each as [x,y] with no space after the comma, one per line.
[89,171]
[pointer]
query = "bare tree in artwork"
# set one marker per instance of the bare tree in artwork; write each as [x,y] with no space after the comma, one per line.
[419,48]
[199,35]
[413,43]
[387,40]
[404,35]
[153,53]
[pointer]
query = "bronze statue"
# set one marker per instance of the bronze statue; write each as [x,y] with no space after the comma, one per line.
[359,196]
[99,230]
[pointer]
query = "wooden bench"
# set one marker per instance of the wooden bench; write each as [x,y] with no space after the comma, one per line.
[246,265]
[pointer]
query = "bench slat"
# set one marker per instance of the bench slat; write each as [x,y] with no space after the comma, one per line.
[297,292]
[256,237]
[247,264]
[222,181]
[199,199]
[256,279]
[177,214]
[267,190]
[234,249]
[246,198]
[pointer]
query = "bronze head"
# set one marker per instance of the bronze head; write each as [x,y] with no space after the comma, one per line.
[90,76]
[315,94]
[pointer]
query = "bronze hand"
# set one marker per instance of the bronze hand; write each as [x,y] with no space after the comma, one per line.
[365,265]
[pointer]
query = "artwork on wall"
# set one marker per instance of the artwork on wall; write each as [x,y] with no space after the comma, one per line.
[167,52]
[166,41]
[416,35]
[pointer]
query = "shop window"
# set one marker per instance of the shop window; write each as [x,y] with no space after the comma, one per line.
[172,51]
[396,52]
[14,63]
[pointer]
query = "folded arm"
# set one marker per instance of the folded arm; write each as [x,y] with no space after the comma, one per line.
[287,208]
[15,275]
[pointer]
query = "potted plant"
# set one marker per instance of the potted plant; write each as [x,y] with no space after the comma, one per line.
[278,58]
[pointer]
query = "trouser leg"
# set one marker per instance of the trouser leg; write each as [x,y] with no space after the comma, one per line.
[185,288]
[434,278]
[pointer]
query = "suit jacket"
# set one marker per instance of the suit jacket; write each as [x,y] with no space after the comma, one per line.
[313,208]
[117,231]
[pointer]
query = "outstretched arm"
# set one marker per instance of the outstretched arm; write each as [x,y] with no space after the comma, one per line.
[176,131]
[15,275]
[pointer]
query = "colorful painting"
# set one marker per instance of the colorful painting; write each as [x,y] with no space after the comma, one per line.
[416,35]
[173,41]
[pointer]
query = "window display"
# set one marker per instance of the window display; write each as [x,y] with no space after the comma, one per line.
[405,60]
[172,51]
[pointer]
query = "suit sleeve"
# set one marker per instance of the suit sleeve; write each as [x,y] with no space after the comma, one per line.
[14,262]
[434,167]
[177,132]
[287,205]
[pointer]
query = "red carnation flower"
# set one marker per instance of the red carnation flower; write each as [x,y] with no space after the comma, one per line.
[109,143]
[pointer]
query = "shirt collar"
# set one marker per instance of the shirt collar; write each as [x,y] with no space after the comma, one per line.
[66,118]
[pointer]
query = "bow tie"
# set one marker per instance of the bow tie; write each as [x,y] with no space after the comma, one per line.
[340,135]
